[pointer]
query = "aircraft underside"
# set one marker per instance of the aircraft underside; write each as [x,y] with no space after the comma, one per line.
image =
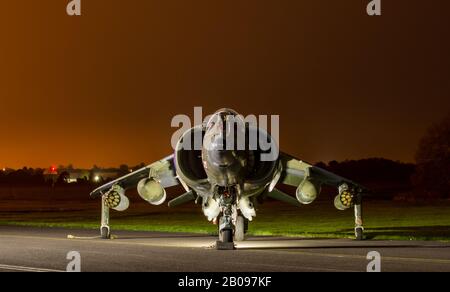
[227,180]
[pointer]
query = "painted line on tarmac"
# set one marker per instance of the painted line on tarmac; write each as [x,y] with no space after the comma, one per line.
[114,241]
[387,258]
[28,269]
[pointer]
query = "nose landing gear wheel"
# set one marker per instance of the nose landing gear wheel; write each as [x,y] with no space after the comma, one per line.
[226,240]
[227,235]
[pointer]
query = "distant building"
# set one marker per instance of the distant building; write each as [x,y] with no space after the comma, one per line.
[95,175]
[76,174]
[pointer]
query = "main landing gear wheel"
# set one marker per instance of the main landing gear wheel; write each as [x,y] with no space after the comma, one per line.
[220,235]
[239,229]
[104,231]
[359,233]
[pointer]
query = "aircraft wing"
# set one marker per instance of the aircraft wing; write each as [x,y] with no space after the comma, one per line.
[296,171]
[163,170]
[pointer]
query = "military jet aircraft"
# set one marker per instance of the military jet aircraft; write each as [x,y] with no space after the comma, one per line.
[229,179]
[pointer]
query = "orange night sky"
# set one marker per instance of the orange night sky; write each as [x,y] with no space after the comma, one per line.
[102,88]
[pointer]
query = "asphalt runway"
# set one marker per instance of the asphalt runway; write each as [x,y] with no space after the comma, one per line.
[45,250]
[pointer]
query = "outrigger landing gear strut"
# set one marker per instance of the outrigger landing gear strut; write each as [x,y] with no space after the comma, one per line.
[105,231]
[359,229]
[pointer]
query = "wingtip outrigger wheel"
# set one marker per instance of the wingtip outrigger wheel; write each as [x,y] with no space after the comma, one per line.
[105,230]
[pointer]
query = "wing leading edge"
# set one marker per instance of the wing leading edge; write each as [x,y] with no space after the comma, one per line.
[296,171]
[162,170]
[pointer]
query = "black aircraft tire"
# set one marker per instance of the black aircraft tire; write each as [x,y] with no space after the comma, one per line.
[359,234]
[105,233]
[220,235]
[239,229]
[227,235]
[218,229]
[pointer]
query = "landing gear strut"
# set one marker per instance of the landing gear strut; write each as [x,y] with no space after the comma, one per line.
[225,241]
[105,231]
[359,229]
[226,226]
